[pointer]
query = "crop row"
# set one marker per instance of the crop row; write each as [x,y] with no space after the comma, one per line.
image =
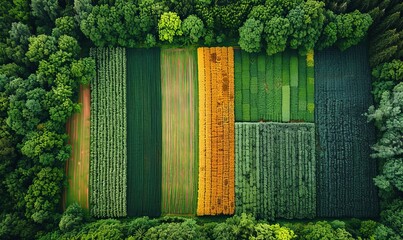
[108,134]
[216,131]
[275,170]
[274,88]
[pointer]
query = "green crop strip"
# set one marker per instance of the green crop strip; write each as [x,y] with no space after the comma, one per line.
[108,159]
[275,173]
[345,170]
[144,147]
[179,88]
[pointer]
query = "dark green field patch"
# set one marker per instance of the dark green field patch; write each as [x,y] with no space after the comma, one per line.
[144,147]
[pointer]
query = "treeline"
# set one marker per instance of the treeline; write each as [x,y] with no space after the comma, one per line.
[273,25]
[72,226]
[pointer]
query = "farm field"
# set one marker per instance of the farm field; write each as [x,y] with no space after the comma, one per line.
[345,172]
[179,93]
[216,131]
[277,88]
[226,119]
[77,167]
[108,134]
[144,129]
[275,174]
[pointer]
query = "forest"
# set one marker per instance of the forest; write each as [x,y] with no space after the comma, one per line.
[201,119]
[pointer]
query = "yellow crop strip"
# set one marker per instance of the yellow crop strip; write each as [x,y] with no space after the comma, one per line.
[202,132]
[216,131]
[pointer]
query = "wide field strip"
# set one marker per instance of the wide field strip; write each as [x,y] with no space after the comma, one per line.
[345,169]
[216,131]
[108,134]
[275,174]
[180,153]
[77,167]
[274,88]
[144,129]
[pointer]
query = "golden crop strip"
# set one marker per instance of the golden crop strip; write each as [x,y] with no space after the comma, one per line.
[202,132]
[216,194]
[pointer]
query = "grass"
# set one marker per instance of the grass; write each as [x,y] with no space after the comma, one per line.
[77,167]
[179,89]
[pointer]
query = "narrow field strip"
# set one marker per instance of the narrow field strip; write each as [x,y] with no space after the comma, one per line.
[144,129]
[77,167]
[180,153]
[108,134]
[216,131]
[345,168]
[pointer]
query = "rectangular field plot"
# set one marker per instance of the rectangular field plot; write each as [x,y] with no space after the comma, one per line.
[275,170]
[144,132]
[277,88]
[77,167]
[216,131]
[345,170]
[108,134]
[179,89]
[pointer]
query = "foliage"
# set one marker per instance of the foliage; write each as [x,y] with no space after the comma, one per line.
[351,28]
[392,217]
[43,195]
[193,29]
[250,35]
[276,32]
[272,232]
[65,26]
[386,75]
[41,47]
[306,23]
[72,218]
[367,228]
[45,9]
[323,230]
[388,118]
[185,230]
[17,43]
[169,26]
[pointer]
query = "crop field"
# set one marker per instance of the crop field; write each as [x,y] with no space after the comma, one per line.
[345,170]
[77,167]
[275,173]
[144,166]
[108,134]
[216,131]
[276,88]
[180,153]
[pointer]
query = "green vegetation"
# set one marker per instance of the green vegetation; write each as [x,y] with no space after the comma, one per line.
[144,129]
[275,174]
[108,159]
[274,88]
[43,49]
[342,96]
[179,93]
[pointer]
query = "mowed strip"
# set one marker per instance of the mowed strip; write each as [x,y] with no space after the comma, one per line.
[77,167]
[179,131]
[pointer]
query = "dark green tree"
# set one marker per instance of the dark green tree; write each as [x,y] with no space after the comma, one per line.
[250,35]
